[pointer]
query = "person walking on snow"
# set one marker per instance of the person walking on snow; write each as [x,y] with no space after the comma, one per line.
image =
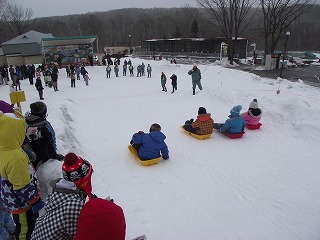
[163,81]
[196,78]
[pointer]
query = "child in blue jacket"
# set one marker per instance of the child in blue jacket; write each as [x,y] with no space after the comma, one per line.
[150,145]
[7,226]
[234,125]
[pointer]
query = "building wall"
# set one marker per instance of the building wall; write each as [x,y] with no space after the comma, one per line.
[3,60]
[187,45]
[15,60]
[33,59]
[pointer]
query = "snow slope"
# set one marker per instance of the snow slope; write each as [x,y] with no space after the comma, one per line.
[263,186]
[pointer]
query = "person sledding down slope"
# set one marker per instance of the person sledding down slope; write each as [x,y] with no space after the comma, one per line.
[253,115]
[18,181]
[149,145]
[234,125]
[203,125]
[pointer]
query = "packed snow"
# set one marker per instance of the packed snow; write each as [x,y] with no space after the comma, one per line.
[263,186]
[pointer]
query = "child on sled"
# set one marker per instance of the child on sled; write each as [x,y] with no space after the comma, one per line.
[253,115]
[150,145]
[203,125]
[234,124]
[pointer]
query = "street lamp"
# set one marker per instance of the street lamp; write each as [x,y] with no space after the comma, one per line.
[254,45]
[284,53]
[221,48]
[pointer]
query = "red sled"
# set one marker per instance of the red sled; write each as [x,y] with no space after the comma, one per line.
[234,135]
[253,127]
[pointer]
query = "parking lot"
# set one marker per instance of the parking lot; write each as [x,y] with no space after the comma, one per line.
[309,74]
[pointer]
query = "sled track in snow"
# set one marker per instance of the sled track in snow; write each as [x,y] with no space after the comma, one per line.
[70,142]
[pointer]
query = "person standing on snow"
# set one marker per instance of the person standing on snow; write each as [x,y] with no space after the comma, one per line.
[65,201]
[163,78]
[101,219]
[196,78]
[174,83]
[108,69]
[41,135]
[18,180]
[39,87]
[149,69]
[116,70]
[131,70]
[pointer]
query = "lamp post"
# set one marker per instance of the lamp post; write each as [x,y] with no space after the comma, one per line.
[221,49]
[254,45]
[284,53]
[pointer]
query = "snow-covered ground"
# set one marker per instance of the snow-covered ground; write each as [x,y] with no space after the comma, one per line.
[261,187]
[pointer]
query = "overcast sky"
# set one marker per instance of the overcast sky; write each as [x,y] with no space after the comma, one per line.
[46,8]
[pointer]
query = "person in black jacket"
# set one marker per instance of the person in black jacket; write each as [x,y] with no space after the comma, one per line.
[39,87]
[54,80]
[174,82]
[41,135]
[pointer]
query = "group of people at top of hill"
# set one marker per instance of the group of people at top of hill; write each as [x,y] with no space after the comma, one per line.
[235,123]
[25,143]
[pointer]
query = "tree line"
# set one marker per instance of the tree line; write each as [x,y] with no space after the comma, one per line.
[263,22]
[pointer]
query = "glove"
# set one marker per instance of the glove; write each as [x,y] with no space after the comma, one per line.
[59,157]
[140,132]
[191,120]
[37,206]
[166,158]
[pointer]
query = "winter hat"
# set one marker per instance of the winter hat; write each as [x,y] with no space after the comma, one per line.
[155,127]
[78,170]
[38,109]
[101,219]
[202,110]
[6,107]
[194,65]
[235,111]
[254,104]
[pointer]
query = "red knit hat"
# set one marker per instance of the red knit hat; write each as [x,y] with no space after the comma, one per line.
[78,170]
[101,219]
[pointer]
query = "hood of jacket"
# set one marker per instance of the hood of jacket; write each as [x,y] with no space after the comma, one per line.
[12,131]
[60,196]
[157,136]
[204,117]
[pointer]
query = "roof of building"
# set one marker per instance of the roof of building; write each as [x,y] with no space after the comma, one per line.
[68,40]
[28,37]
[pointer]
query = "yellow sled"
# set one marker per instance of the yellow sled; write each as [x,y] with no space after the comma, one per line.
[200,137]
[149,162]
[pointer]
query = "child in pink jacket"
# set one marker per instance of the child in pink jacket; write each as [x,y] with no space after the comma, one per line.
[253,115]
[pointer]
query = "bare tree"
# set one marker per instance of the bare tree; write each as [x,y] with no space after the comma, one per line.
[278,15]
[17,18]
[185,17]
[231,17]
[3,4]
